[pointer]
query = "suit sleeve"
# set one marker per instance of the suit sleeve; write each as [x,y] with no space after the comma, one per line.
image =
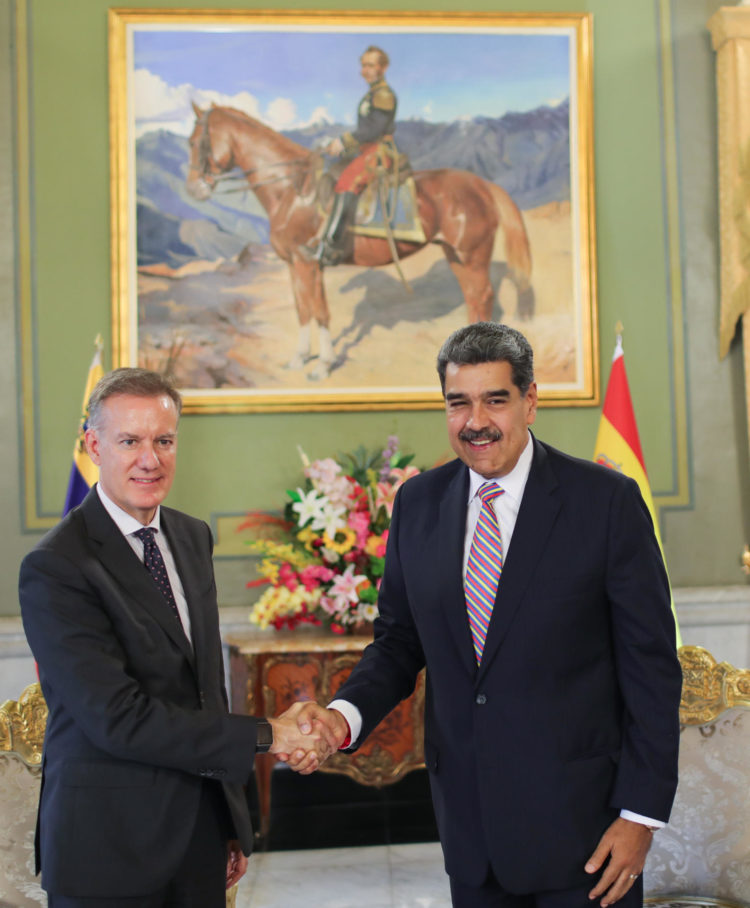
[132,714]
[648,670]
[387,672]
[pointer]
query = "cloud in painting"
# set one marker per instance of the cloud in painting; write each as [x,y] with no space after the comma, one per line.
[159,105]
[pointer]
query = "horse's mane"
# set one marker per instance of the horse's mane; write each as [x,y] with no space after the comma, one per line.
[257,125]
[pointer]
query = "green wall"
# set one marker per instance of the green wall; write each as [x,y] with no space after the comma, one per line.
[656,227]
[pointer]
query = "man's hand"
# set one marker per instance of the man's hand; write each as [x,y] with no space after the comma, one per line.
[236,863]
[306,735]
[312,721]
[626,844]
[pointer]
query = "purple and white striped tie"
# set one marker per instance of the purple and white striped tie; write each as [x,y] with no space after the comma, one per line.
[484,567]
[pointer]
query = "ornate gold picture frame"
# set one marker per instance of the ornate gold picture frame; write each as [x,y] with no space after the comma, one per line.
[214,241]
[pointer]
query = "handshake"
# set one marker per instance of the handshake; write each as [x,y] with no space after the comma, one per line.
[306,735]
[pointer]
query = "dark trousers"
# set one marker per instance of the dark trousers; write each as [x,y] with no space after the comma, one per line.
[200,880]
[492,895]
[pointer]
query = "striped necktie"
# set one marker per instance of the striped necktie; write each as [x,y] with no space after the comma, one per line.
[484,567]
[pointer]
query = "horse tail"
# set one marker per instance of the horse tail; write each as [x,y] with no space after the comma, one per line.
[517,248]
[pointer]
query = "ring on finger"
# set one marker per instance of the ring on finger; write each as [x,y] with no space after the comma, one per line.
[634,876]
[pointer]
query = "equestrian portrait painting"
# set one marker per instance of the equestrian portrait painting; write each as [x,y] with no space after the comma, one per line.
[305,204]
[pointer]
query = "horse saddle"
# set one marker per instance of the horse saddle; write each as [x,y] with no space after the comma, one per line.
[384,208]
[387,205]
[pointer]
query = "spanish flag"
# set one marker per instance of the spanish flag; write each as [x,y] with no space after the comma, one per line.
[84,472]
[618,445]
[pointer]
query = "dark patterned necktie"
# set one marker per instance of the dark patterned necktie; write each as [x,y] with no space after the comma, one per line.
[152,558]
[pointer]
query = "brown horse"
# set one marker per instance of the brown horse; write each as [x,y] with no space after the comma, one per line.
[459,211]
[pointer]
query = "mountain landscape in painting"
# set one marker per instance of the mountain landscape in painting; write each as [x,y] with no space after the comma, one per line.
[525,153]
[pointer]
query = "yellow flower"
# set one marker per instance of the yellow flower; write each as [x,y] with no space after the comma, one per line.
[281,602]
[278,602]
[269,569]
[375,545]
[306,537]
[281,552]
[337,544]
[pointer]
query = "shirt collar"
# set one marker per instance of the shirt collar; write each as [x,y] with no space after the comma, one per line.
[514,482]
[126,523]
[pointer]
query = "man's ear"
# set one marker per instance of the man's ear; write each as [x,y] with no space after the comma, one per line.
[92,445]
[532,401]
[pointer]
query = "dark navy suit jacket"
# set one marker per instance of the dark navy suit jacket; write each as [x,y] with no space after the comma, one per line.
[137,717]
[573,713]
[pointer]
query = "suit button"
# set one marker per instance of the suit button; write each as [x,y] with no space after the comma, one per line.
[481,699]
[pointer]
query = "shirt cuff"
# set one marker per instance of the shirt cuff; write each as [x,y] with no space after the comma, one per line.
[352,715]
[644,821]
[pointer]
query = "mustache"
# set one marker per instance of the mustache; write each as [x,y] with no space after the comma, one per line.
[480,435]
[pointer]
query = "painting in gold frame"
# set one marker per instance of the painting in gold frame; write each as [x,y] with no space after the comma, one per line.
[207,287]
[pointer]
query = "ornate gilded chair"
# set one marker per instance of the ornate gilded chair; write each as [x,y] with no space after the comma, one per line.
[703,856]
[22,724]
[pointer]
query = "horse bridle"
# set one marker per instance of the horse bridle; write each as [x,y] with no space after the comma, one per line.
[207,164]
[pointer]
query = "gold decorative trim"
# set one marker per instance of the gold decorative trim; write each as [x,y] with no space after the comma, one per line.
[586,390]
[378,768]
[690,901]
[22,725]
[709,688]
[301,660]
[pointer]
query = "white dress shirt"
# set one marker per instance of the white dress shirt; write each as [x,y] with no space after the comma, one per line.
[506,508]
[128,525]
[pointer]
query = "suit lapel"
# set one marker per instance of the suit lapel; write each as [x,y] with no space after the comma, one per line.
[452,533]
[539,509]
[118,557]
[189,564]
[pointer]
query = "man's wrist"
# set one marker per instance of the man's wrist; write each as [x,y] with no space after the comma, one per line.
[263,736]
[351,716]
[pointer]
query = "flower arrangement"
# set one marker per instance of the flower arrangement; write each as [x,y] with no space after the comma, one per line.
[326,563]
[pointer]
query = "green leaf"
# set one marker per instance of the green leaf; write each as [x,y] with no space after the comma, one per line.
[401,460]
[377,566]
[369,595]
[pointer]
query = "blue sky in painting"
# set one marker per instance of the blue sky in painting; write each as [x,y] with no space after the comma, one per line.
[291,78]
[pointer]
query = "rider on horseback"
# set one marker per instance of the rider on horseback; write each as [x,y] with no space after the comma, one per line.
[365,149]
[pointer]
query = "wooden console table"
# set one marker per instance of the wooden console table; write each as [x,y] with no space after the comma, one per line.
[269,673]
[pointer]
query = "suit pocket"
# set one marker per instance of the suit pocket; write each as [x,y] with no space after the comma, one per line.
[93,774]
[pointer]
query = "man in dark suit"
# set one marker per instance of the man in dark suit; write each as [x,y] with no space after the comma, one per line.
[142,799]
[551,714]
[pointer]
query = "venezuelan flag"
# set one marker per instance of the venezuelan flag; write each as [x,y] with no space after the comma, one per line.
[618,445]
[84,472]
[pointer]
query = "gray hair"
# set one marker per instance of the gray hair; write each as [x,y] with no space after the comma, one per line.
[489,342]
[138,382]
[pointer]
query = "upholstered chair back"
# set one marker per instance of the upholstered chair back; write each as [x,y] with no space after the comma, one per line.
[703,855]
[22,724]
